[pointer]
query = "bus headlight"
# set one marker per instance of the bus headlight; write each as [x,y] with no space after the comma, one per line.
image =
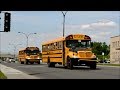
[93,56]
[28,57]
[38,58]
[75,56]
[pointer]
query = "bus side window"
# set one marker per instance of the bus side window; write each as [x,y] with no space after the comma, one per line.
[52,46]
[48,47]
[60,45]
[44,48]
[19,52]
[56,47]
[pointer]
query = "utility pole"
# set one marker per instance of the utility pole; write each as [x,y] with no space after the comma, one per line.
[63,49]
[64,22]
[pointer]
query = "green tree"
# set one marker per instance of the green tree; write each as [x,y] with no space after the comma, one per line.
[99,47]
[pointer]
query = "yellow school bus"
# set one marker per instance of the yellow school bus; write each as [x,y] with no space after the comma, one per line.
[72,50]
[29,55]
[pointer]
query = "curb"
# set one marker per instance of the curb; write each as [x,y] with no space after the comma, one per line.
[108,66]
[11,73]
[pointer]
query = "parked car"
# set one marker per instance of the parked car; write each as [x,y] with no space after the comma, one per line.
[107,61]
[104,61]
[11,60]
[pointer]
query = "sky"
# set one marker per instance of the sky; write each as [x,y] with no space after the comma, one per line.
[99,25]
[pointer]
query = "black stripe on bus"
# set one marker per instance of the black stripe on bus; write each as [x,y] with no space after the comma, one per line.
[53,57]
[51,53]
[53,50]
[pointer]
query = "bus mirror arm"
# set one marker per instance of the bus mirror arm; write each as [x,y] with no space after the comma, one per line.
[91,44]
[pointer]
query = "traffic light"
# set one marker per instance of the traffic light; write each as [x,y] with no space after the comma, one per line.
[7,20]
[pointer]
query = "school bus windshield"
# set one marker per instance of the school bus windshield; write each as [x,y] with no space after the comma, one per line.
[30,52]
[78,43]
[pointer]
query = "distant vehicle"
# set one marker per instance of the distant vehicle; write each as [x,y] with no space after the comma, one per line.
[101,61]
[104,61]
[107,61]
[29,55]
[12,60]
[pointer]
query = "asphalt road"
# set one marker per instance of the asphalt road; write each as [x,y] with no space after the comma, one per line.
[59,72]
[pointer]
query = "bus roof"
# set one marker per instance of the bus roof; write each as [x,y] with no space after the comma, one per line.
[54,40]
[61,39]
[28,47]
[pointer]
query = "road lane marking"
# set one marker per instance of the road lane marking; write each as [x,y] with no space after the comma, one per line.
[30,66]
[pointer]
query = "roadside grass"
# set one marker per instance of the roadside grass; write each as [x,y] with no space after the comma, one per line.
[2,76]
[108,64]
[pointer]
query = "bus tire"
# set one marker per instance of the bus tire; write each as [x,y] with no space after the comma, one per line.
[51,64]
[39,62]
[48,62]
[22,62]
[31,62]
[26,62]
[93,65]
[69,63]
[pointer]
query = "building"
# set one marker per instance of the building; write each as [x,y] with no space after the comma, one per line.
[115,50]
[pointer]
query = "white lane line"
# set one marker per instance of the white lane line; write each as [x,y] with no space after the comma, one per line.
[30,66]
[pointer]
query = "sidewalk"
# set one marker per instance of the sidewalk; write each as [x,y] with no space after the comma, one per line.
[15,74]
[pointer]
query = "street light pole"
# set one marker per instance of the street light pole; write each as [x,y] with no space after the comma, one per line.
[64,22]
[27,36]
[0,20]
[63,49]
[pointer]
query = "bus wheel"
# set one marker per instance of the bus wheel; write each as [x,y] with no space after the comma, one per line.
[22,62]
[39,62]
[93,65]
[51,64]
[69,63]
[26,62]
[31,62]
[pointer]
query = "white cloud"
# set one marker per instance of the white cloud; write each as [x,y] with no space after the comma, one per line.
[104,33]
[101,24]
[87,26]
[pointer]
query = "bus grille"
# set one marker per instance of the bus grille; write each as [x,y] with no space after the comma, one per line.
[85,54]
[33,57]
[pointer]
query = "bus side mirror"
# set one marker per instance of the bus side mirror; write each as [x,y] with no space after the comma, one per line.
[91,44]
